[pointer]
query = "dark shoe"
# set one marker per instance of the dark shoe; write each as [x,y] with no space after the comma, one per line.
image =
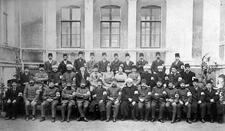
[27,118]
[79,119]
[13,118]
[114,119]
[107,120]
[33,118]
[42,119]
[153,120]
[53,119]
[178,120]
[195,120]
[202,120]
[85,119]
[134,119]
[63,120]
[211,121]
[7,118]
[161,120]
[188,121]
[68,120]
[173,121]
[146,120]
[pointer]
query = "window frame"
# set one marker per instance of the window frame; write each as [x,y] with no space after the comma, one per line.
[5,28]
[150,23]
[70,21]
[110,21]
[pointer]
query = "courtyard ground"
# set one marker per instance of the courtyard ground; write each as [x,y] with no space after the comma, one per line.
[22,125]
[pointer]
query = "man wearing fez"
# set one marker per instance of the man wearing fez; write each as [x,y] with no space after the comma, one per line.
[134,75]
[197,101]
[41,76]
[48,64]
[13,97]
[62,66]
[79,62]
[187,75]
[127,64]
[82,74]
[69,76]
[156,63]
[55,75]
[30,96]
[148,76]
[91,63]
[113,100]
[178,63]
[51,97]
[68,100]
[115,63]
[103,63]
[174,75]
[141,63]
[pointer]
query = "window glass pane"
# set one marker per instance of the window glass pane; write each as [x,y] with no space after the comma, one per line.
[75,27]
[105,13]
[75,41]
[76,14]
[65,13]
[65,40]
[115,28]
[65,27]
[105,41]
[115,40]
[115,14]
[155,14]
[145,14]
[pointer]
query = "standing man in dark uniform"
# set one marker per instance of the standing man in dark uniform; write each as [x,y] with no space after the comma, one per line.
[62,65]
[148,76]
[174,75]
[102,65]
[25,77]
[91,63]
[198,100]
[187,75]
[141,63]
[156,63]
[82,75]
[115,64]
[178,63]
[128,64]
[48,64]
[79,62]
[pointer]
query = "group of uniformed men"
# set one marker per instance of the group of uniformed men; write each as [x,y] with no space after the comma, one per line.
[139,92]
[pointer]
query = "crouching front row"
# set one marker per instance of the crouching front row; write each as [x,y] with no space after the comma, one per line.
[136,102]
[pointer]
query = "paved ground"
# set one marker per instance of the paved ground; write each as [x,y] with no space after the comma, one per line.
[22,125]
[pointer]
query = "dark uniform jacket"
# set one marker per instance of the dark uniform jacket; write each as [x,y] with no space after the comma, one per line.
[144,93]
[210,94]
[130,92]
[197,94]
[140,64]
[50,93]
[12,94]
[48,65]
[188,77]
[115,65]
[114,92]
[99,92]
[150,78]
[177,64]
[161,96]
[80,77]
[81,93]
[183,95]
[171,94]
[62,66]
[78,63]
[25,78]
[155,65]
[174,78]
[67,94]
[102,65]
[55,76]
[127,67]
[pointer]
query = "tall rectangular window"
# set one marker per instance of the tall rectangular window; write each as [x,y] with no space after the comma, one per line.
[151,27]
[5,28]
[71,27]
[110,26]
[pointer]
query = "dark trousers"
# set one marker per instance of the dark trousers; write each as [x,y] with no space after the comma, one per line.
[202,107]
[109,106]
[184,108]
[82,107]
[144,108]
[161,105]
[95,103]
[172,106]
[11,109]
[126,107]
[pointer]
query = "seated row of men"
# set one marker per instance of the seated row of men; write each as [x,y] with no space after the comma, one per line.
[137,101]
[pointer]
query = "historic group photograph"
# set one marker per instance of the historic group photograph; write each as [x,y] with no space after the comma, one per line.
[126,65]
